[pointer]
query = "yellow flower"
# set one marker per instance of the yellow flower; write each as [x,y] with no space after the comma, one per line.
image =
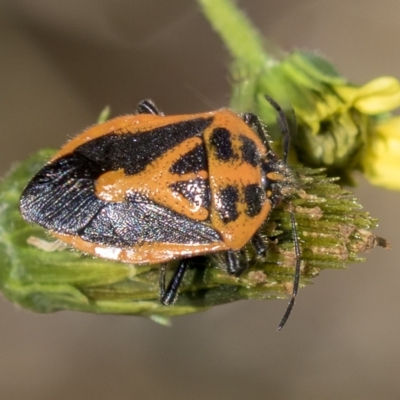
[335,119]
[381,161]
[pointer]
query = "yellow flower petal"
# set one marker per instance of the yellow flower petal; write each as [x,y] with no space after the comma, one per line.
[347,93]
[378,96]
[381,163]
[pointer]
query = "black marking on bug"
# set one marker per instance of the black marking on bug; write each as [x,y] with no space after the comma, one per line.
[254,197]
[227,210]
[221,143]
[197,191]
[249,151]
[193,161]
[134,151]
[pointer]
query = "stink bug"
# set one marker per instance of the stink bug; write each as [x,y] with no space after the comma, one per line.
[148,188]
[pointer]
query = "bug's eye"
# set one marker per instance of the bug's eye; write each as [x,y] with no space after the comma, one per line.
[267,183]
[264,181]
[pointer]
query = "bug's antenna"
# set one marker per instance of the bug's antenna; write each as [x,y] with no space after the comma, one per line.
[296,280]
[283,126]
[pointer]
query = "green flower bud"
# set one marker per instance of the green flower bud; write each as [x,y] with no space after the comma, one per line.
[336,119]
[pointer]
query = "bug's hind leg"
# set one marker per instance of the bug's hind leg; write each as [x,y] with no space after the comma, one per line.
[236,260]
[148,107]
[168,295]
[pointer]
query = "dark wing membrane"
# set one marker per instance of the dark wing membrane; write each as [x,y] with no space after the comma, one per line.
[60,197]
[139,220]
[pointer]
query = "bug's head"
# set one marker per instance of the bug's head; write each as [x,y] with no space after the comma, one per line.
[276,177]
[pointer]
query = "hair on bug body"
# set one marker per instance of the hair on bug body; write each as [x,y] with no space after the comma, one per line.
[149,188]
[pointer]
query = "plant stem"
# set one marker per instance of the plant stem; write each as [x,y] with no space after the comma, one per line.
[237,32]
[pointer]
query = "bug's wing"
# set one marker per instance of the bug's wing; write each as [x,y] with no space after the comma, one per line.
[60,197]
[139,220]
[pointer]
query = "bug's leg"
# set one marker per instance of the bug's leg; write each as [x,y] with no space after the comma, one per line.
[234,265]
[168,295]
[148,107]
[283,126]
[254,123]
[259,245]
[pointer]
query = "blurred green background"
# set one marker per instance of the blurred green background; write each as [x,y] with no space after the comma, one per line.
[61,63]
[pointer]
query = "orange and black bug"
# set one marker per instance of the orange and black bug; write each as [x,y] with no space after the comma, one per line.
[149,188]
